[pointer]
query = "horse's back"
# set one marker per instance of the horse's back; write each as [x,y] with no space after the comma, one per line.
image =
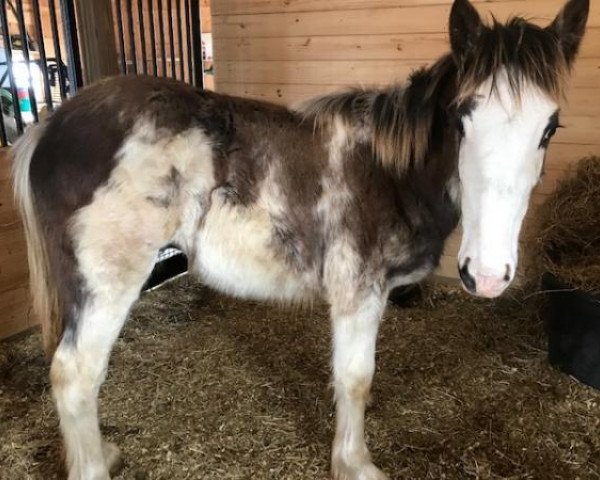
[79,149]
[133,163]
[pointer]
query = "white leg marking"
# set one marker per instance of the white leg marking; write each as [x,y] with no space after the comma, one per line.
[354,338]
[77,372]
[116,238]
[114,266]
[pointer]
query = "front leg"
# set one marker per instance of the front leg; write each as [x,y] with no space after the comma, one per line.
[354,338]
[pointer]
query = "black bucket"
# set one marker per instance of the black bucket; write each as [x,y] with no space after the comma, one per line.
[572,319]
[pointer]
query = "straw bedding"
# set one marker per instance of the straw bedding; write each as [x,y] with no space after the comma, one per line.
[204,387]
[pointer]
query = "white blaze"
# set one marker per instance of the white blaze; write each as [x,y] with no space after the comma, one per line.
[500,162]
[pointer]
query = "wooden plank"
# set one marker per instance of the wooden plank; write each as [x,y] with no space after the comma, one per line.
[550,180]
[315,73]
[276,92]
[346,72]
[96,28]
[591,42]
[586,74]
[448,267]
[228,7]
[538,199]
[579,130]
[338,47]
[453,242]
[415,46]
[206,18]
[13,272]
[5,163]
[565,156]
[412,19]
[9,219]
[16,320]
[14,290]
[15,311]
[7,203]
[12,242]
[14,297]
[580,102]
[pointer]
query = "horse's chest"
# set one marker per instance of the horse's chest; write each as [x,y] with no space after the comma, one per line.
[235,253]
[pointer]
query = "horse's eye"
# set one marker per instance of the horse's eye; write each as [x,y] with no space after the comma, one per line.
[548,134]
[461,128]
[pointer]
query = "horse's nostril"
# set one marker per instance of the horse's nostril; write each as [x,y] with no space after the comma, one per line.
[467,279]
[508,273]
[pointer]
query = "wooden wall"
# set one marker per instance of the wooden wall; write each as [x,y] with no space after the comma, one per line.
[289,50]
[14,296]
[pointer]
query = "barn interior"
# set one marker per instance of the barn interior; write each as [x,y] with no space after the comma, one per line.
[205,386]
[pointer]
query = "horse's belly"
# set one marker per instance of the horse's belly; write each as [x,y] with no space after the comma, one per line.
[234,253]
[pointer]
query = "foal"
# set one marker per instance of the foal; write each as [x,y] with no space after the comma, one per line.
[348,198]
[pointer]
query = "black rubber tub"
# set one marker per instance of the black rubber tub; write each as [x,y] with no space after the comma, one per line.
[572,320]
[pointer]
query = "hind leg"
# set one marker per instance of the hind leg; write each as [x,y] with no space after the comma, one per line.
[112,274]
[76,375]
[78,369]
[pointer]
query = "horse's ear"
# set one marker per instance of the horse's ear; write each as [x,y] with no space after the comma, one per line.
[465,28]
[569,26]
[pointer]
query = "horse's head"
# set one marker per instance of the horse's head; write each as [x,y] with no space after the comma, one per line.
[510,79]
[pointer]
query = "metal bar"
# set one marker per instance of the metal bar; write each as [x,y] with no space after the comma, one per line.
[171,38]
[67,9]
[11,76]
[197,43]
[161,38]
[142,37]
[121,33]
[152,38]
[180,40]
[25,46]
[3,138]
[37,17]
[57,49]
[132,52]
[188,35]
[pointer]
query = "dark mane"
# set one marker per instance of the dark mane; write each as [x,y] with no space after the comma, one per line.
[527,53]
[399,118]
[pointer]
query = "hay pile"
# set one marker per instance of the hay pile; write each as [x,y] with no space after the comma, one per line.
[568,242]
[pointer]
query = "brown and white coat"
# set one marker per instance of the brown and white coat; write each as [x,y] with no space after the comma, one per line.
[345,199]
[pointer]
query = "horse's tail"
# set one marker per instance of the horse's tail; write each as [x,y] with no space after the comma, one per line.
[46,305]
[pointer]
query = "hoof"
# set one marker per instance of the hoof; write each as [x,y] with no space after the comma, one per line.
[90,474]
[112,457]
[368,471]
